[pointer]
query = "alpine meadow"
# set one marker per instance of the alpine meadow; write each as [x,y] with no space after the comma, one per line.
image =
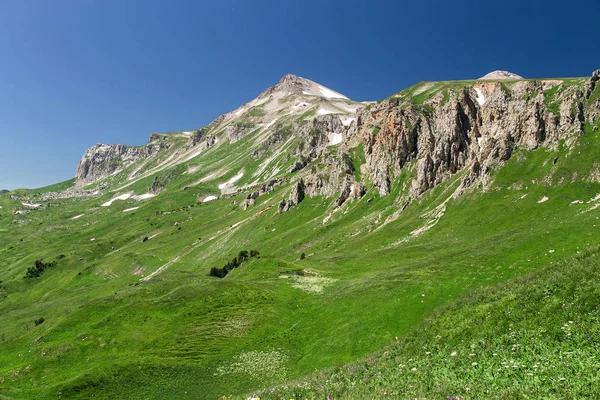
[438,243]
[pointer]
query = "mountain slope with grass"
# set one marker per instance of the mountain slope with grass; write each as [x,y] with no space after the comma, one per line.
[364,219]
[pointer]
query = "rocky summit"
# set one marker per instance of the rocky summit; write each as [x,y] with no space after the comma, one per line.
[434,131]
[437,243]
[500,75]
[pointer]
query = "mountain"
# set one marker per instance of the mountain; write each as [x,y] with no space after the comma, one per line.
[305,231]
[500,75]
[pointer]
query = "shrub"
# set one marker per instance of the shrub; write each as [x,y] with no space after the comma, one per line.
[38,269]
[233,264]
[39,321]
[302,256]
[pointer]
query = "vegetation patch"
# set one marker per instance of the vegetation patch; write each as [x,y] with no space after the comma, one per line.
[242,257]
[38,269]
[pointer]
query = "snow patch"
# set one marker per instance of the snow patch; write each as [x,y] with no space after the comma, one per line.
[324,111]
[121,197]
[522,197]
[334,138]
[240,111]
[346,121]
[31,205]
[543,200]
[577,202]
[144,196]
[78,216]
[480,97]
[231,181]
[330,94]
[594,199]
[209,198]
[270,124]
[130,209]
[128,196]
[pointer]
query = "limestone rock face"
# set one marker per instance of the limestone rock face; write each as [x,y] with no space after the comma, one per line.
[296,196]
[235,132]
[102,160]
[473,127]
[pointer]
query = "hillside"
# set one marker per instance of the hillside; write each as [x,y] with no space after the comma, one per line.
[368,219]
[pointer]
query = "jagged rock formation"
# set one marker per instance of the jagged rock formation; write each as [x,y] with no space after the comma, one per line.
[103,160]
[311,130]
[472,127]
[296,196]
[499,75]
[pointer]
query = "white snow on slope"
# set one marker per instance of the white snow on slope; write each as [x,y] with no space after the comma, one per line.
[121,197]
[334,138]
[480,97]
[323,111]
[240,111]
[543,200]
[346,121]
[129,196]
[78,216]
[270,124]
[231,181]
[330,94]
[31,205]
[209,198]
[130,209]
[144,196]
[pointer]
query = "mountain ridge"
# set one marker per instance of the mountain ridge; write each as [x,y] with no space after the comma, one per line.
[368,219]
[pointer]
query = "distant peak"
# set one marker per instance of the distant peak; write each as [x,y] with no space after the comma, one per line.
[494,75]
[290,83]
[290,78]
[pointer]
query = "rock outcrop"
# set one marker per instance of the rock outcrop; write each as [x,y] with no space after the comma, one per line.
[473,127]
[295,197]
[102,160]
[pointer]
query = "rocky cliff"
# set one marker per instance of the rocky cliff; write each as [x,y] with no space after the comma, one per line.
[434,129]
[472,126]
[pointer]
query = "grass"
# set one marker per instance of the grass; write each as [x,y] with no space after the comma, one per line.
[109,333]
[534,336]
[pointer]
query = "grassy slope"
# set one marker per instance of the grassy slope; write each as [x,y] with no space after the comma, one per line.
[107,334]
[536,336]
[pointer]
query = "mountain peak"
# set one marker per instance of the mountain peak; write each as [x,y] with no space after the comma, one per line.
[290,83]
[494,75]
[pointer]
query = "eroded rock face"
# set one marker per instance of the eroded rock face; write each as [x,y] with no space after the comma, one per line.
[235,132]
[474,127]
[102,160]
[296,196]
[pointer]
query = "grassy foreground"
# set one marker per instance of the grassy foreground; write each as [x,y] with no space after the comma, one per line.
[533,337]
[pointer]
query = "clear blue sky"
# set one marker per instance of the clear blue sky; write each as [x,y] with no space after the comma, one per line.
[75,73]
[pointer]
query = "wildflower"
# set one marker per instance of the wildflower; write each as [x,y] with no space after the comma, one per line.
[427,352]
[414,369]
[563,379]
[474,364]
[453,354]
[468,389]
